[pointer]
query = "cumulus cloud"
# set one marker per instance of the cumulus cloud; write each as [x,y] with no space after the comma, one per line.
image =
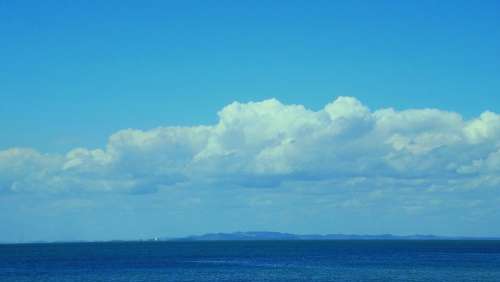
[268,143]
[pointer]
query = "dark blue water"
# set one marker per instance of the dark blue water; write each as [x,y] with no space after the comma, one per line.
[253,261]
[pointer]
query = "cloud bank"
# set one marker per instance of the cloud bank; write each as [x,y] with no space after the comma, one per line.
[267,143]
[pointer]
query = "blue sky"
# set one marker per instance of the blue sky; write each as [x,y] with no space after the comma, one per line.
[75,74]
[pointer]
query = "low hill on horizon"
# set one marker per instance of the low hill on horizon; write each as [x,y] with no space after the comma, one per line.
[265,235]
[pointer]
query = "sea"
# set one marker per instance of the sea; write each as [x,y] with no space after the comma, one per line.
[343,260]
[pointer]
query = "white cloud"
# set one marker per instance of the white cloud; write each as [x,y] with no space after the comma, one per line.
[266,143]
[24,169]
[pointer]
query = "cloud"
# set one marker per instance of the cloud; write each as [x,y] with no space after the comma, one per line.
[267,143]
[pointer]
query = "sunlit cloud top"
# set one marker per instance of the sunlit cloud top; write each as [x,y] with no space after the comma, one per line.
[269,144]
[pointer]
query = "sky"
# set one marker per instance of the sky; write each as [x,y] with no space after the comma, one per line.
[141,119]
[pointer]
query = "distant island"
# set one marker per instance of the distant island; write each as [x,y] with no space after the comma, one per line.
[263,235]
[270,236]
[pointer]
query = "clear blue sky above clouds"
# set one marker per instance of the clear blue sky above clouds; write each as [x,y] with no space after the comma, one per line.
[74,73]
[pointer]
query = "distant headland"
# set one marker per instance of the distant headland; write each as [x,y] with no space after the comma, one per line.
[264,235]
[271,236]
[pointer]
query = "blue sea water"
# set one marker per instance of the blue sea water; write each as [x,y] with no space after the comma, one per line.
[253,261]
